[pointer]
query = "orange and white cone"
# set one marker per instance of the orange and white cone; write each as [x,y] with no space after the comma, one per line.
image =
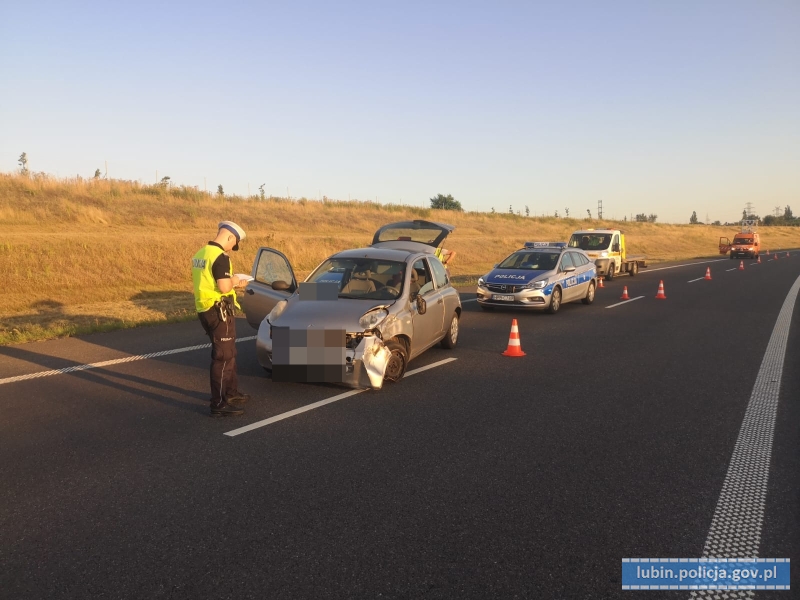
[741,265]
[514,349]
[625,294]
[759,259]
[661,295]
[708,274]
[776,256]
[601,286]
[787,254]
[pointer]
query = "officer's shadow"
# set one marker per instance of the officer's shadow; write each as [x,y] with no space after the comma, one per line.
[141,387]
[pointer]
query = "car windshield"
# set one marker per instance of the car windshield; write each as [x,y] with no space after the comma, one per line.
[746,241]
[362,278]
[533,261]
[590,241]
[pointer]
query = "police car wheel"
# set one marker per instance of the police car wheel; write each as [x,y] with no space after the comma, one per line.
[396,367]
[451,337]
[589,294]
[555,301]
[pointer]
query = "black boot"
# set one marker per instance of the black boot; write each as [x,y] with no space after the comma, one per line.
[238,398]
[225,410]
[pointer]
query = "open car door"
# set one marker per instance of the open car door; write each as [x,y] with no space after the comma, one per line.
[424,236]
[724,245]
[273,281]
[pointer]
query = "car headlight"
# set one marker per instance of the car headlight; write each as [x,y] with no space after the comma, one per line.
[481,281]
[373,318]
[604,254]
[537,285]
[276,311]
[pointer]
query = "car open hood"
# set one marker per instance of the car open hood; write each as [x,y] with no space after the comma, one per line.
[343,313]
[419,236]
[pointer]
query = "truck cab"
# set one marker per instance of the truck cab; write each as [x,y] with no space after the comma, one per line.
[608,250]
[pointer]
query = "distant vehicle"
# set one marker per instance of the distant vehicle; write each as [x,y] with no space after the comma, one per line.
[745,244]
[539,276]
[394,294]
[608,250]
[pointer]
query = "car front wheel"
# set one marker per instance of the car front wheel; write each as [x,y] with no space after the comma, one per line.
[451,337]
[396,367]
[555,301]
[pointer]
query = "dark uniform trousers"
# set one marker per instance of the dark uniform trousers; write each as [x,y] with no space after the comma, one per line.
[223,354]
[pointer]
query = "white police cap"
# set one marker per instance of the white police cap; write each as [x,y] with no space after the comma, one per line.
[235,230]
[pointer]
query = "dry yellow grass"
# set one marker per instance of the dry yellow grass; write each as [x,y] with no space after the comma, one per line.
[87,255]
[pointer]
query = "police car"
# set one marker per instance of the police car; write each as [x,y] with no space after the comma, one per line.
[542,275]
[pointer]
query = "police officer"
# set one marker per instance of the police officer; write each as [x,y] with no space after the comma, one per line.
[215,302]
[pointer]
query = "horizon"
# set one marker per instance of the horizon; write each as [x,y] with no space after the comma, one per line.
[647,107]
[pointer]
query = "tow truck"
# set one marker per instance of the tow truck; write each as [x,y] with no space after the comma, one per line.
[607,248]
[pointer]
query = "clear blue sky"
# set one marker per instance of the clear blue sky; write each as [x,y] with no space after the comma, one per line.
[653,106]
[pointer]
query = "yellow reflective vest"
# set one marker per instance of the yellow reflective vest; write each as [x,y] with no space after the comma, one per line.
[206,291]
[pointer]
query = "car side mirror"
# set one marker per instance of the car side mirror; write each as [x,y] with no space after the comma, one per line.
[422,306]
[280,285]
[569,269]
[615,248]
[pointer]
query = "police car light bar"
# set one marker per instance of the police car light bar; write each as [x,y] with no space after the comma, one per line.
[545,244]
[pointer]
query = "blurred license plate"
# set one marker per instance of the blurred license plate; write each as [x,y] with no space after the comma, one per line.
[502,297]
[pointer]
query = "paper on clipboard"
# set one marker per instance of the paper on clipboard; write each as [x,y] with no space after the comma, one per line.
[243,277]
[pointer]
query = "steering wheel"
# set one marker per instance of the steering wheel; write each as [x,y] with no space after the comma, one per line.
[392,291]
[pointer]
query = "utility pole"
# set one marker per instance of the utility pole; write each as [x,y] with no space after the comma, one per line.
[106,169]
[599,209]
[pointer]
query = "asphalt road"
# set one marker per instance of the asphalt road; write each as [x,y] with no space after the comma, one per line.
[486,477]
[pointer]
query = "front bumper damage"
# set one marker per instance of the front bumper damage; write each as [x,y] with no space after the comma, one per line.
[365,358]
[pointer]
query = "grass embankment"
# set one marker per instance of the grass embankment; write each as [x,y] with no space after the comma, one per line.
[81,256]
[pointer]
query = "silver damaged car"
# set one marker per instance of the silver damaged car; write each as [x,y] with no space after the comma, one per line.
[373,309]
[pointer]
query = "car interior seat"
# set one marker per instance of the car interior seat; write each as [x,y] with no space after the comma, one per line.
[414,282]
[359,283]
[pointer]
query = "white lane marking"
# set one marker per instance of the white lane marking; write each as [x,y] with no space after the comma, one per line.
[693,280]
[115,361]
[648,270]
[303,409]
[733,269]
[625,302]
[739,515]
[470,300]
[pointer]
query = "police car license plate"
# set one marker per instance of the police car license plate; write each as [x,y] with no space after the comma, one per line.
[502,297]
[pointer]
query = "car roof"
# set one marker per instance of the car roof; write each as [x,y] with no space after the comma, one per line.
[376,253]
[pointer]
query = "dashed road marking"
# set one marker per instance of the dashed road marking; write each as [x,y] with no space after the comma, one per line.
[625,302]
[693,280]
[107,363]
[309,407]
[739,515]
[470,300]
[685,265]
[733,269]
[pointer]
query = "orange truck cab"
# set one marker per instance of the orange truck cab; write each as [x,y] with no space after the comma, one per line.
[745,244]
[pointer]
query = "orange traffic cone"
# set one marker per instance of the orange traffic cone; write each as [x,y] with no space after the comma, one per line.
[514,349]
[759,259]
[625,294]
[601,286]
[787,254]
[776,256]
[708,274]
[661,295]
[741,265]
